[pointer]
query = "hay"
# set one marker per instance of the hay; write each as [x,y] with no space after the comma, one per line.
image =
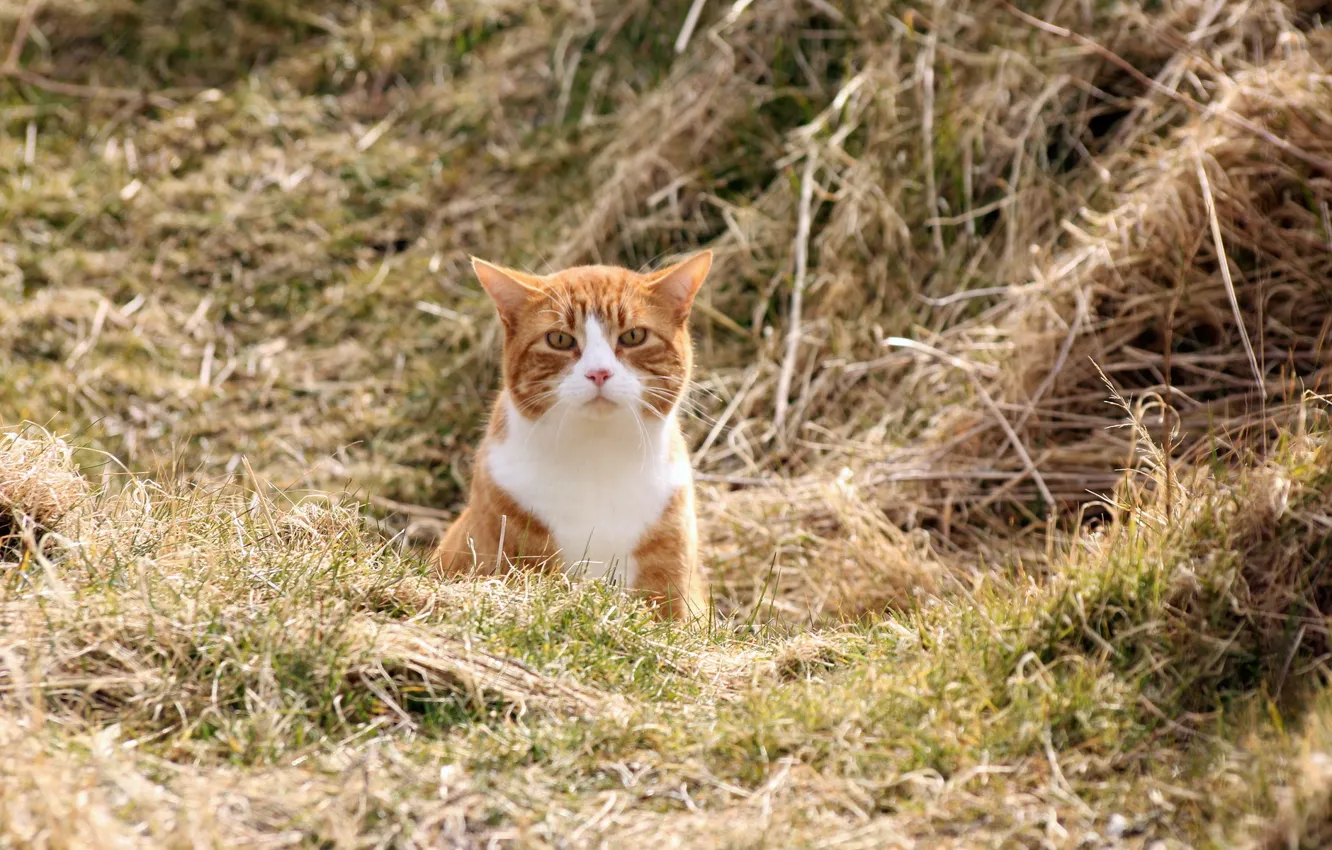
[1147,273]
[39,487]
[1140,295]
[827,549]
[409,656]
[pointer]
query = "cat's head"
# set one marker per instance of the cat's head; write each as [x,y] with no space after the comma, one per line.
[596,340]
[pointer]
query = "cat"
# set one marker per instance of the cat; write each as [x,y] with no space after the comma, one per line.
[584,467]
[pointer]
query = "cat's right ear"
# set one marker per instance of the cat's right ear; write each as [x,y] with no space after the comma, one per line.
[509,289]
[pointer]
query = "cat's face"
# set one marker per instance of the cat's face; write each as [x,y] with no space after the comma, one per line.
[596,340]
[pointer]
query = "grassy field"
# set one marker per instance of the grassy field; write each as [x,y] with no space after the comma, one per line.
[1011,423]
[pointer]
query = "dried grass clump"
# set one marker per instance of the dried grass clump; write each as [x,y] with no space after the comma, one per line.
[317,522]
[1203,286]
[400,658]
[39,486]
[939,167]
[830,552]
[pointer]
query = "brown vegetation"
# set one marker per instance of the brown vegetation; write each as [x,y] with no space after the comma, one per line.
[964,600]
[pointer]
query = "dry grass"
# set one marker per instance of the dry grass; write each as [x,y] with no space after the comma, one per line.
[39,487]
[962,600]
[203,667]
[1140,297]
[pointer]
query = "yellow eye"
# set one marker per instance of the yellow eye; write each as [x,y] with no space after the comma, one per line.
[632,337]
[560,341]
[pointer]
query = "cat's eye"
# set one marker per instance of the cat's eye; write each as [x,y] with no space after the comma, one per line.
[560,341]
[633,336]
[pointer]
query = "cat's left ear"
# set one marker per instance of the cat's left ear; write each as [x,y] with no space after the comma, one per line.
[677,285]
[509,289]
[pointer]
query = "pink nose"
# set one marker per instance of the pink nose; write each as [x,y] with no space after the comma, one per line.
[598,376]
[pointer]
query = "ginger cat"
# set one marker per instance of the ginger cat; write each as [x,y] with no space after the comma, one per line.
[583,467]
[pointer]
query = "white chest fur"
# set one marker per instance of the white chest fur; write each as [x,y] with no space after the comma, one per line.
[598,484]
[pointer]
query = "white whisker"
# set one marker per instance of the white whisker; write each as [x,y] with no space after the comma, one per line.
[644,442]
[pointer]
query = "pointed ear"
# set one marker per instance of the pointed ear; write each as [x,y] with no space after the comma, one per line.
[677,285]
[509,289]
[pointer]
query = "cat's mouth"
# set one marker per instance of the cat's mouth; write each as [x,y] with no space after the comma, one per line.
[600,404]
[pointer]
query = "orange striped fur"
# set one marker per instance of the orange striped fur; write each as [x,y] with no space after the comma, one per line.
[583,467]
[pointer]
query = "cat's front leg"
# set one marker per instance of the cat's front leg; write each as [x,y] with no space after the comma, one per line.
[668,571]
